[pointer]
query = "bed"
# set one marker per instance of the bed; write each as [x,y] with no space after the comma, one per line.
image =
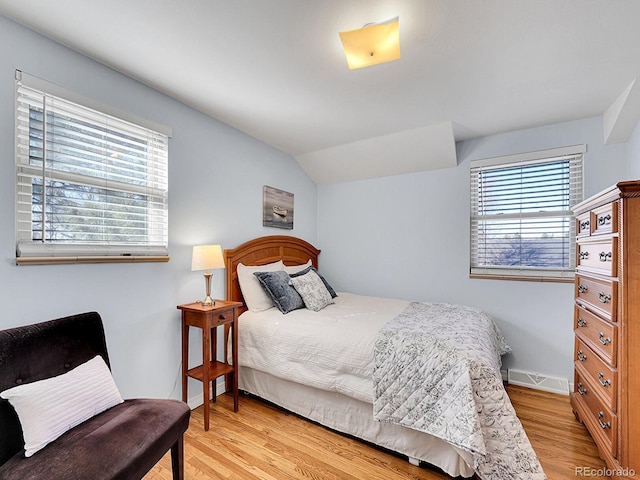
[346,367]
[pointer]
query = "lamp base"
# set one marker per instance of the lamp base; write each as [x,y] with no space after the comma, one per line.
[208,302]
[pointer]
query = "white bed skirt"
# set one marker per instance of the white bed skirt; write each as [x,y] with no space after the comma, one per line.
[354,417]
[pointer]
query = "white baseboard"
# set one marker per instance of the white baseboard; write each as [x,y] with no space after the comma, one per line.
[537,381]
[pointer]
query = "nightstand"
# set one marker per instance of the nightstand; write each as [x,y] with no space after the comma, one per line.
[209,319]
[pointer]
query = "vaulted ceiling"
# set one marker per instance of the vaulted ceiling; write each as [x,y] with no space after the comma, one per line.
[275,69]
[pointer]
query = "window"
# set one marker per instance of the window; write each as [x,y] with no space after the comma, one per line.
[90,183]
[521,219]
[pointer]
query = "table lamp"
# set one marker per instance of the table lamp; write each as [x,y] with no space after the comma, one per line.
[207,257]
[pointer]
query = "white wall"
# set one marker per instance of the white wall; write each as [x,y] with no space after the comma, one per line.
[216,176]
[633,154]
[408,237]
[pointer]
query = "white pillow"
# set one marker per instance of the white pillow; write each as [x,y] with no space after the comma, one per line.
[48,408]
[312,290]
[254,295]
[297,268]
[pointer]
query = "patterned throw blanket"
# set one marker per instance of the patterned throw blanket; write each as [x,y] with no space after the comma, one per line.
[437,370]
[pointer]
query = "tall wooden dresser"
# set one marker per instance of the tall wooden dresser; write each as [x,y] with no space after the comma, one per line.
[606,395]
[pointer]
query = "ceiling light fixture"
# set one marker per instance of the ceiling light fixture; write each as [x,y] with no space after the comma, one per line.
[372,44]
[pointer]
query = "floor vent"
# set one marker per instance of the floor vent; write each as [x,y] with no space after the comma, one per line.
[538,382]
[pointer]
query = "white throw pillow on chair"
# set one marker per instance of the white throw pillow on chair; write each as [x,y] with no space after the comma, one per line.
[50,407]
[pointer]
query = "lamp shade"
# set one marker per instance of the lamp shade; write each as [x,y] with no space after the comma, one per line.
[207,257]
[372,44]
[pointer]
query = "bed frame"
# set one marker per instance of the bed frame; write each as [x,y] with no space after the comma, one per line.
[313,403]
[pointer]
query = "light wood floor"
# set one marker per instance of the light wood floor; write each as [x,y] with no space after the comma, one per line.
[264,442]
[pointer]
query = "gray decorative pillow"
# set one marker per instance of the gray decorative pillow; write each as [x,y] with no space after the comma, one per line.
[276,285]
[326,284]
[312,290]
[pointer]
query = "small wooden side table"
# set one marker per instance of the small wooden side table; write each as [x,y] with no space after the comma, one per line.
[209,319]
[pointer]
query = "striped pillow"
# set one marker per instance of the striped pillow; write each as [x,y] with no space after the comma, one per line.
[48,408]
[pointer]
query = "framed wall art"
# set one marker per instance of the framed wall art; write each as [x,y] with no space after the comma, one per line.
[277,208]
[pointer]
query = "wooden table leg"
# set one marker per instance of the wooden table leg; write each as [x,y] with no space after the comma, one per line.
[234,355]
[214,354]
[185,357]
[206,347]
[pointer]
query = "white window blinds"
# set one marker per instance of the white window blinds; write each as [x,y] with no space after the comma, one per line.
[87,182]
[521,218]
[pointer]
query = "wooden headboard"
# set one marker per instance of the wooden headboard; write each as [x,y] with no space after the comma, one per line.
[263,250]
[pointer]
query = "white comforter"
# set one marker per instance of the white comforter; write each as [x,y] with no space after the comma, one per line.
[331,349]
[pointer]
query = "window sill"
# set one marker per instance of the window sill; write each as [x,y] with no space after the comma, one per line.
[98,259]
[522,278]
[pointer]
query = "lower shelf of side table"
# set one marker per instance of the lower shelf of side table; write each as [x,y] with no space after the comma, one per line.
[216,369]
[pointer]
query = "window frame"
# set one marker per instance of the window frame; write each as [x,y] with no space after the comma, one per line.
[29,249]
[575,155]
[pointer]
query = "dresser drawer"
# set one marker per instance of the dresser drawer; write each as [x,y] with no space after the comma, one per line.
[601,422]
[600,335]
[598,294]
[583,225]
[605,219]
[601,376]
[599,256]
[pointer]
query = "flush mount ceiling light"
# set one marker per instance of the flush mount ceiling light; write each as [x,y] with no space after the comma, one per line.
[372,44]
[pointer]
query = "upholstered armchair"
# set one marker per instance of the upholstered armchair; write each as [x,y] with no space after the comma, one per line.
[119,439]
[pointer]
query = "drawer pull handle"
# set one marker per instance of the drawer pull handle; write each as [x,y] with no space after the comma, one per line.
[584,225]
[602,340]
[582,288]
[603,298]
[604,383]
[604,220]
[584,255]
[581,356]
[222,317]
[605,257]
[582,322]
[603,424]
[581,390]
